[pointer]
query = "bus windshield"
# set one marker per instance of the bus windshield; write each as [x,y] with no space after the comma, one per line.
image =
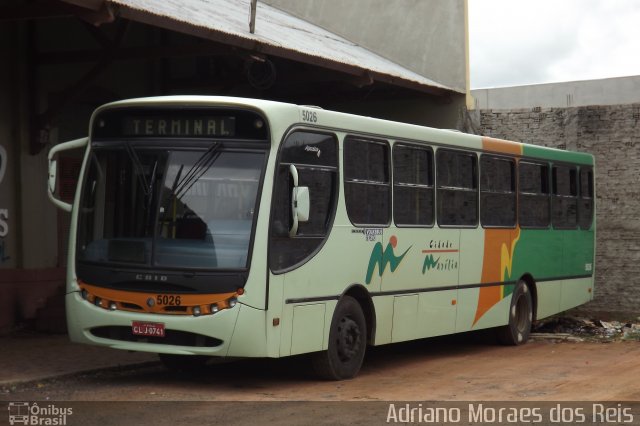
[168,207]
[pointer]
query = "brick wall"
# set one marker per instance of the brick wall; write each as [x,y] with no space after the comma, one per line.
[612,134]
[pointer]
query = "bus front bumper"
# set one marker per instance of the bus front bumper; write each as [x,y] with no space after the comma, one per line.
[210,335]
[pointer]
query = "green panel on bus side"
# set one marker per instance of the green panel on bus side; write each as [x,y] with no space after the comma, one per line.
[557,155]
[538,252]
[578,252]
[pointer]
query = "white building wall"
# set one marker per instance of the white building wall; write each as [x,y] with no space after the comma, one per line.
[609,91]
[425,36]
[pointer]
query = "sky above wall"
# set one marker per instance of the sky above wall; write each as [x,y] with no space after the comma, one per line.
[518,42]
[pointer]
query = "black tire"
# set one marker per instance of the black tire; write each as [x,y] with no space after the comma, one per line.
[347,343]
[184,363]
[520,317]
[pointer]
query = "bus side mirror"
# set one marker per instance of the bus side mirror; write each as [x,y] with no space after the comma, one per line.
[300,202]
[53,170]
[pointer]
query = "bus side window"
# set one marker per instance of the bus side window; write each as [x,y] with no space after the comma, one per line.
[585,207]
[413,190]
[564,204]
[315,156]
[367,183]
[497,192]
[457,182]
[533,179]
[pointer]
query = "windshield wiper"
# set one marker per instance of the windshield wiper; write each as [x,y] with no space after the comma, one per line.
[146,185]
[196,171]
[142,178]
[149,193]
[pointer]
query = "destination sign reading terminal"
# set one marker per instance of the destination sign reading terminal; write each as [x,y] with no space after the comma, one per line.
[196,123]
[178,126]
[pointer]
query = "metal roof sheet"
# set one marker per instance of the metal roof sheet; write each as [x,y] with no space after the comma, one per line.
[277,33]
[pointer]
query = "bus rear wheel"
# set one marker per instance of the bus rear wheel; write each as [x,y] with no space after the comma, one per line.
[347,343]
[520,317]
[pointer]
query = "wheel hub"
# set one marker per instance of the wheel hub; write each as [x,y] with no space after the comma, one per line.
[348,339]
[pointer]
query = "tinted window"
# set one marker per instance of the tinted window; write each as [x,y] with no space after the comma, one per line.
[457,188]
[497,191]
[533,195]
[315,157]
[413,191]
[565,204]
[585,204]
[366,181]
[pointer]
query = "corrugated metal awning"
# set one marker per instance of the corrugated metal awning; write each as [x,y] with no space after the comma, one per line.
[277,33]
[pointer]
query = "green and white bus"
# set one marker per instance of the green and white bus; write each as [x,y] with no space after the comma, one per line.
[229,227]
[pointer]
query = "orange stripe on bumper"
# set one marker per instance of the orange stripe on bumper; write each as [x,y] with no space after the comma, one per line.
[139,301]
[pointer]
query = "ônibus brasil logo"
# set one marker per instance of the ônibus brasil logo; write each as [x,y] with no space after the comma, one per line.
[26,413]
[381,258]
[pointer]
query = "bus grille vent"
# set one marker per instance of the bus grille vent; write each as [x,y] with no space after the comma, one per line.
[171,337]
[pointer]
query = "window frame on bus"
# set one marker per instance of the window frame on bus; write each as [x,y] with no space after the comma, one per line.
[581,197]
[348,140]
[431,186]
[556,197]
[333,202]
[475,190]
[513,192]
[547,166]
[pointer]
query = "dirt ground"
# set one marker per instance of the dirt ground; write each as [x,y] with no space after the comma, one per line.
[443,372]
[460,368]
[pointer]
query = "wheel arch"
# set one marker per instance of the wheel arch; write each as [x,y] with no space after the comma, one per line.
[531,284]
[362,296]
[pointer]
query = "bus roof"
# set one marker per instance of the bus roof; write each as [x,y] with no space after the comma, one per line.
[288,114]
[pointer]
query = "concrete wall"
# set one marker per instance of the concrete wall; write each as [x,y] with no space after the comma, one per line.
[609,91]
[425,36]
[611,133]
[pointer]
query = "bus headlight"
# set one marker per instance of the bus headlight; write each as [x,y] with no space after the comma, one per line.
[232,302]
[214,308]
[196,311]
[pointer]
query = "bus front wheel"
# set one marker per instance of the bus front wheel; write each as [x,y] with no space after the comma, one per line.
[517,331]
[347,343]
